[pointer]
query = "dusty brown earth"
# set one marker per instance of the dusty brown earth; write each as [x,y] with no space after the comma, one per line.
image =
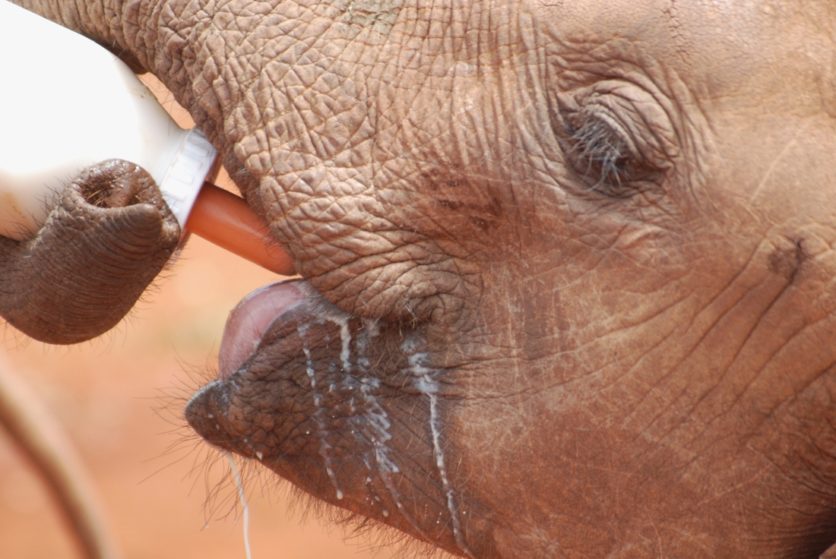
[120,399]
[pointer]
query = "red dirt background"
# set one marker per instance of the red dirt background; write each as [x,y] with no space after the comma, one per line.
[120,400]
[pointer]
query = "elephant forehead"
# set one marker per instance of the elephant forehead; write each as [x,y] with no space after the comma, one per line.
[721,43]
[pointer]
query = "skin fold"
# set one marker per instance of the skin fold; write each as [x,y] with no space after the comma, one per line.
[569,266]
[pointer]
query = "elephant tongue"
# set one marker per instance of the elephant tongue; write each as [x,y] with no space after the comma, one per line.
[251,318]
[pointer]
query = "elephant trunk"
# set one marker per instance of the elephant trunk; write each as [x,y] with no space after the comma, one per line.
[93,258]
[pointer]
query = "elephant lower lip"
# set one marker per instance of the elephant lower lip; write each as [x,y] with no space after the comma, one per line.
[251,318]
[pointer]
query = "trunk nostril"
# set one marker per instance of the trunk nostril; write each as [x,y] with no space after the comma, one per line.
[118,184]
[107,199]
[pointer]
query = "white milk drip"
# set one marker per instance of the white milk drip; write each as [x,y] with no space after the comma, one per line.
[67,103]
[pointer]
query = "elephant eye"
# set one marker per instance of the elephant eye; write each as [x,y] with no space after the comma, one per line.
[613,140]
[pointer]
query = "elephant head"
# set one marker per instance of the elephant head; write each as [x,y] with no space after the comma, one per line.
[568,267]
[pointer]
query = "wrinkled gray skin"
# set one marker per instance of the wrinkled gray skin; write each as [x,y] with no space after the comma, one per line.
[570,265]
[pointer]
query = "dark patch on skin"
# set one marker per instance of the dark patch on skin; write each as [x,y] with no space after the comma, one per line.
[818,542]
[450,204]
[469,202]
[786,261]
[483,225]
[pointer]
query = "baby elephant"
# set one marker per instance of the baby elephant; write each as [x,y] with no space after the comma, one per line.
[569,267]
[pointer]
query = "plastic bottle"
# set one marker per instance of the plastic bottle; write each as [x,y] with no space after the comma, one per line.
[67,103]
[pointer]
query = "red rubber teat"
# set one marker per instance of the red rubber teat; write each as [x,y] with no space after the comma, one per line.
[226,220]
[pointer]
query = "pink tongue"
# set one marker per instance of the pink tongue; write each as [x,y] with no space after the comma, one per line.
[250,319]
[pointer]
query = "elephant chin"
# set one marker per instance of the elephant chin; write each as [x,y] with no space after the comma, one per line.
[348,409]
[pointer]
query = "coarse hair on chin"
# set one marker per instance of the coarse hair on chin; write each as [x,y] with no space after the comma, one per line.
[360,531]
[210,471]
[222,502]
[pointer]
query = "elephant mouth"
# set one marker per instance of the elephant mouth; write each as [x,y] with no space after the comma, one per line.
[290,370]
[252,318]
[348,409]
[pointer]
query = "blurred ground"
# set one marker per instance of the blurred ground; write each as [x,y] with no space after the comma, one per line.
[120,400]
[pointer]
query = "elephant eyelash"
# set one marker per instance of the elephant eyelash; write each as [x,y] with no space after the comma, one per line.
[600,154]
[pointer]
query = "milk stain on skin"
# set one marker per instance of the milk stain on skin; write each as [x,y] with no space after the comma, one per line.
[371,425]
[373,429]
[322,432]
[348,382]
[425,381]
